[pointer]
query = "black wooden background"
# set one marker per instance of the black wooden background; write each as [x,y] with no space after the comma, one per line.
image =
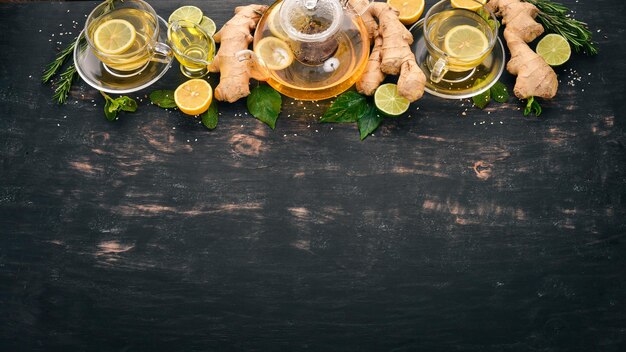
[451,229]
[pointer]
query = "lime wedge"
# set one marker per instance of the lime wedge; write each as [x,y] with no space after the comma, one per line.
[114,36]
[554,49]
[208,25]
[389,102]
[187,13]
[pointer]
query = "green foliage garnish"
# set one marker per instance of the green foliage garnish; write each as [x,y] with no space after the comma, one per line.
[369,121]
[65,84]
[113,106]
[348,107]
[555,18]
[163,99]
[352,107]
[532,106]
[58,62]
[497,92]
[264,103]
[210,117]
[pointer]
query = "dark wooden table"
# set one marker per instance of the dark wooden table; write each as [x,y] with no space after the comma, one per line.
[454,229]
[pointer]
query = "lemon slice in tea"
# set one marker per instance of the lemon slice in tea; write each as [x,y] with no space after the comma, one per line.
[389,102]
[410,10]
[187,13]
[274,52]
[465,41]
[275,27]
[208,25]
[554,49]
[114,36]
[468,4]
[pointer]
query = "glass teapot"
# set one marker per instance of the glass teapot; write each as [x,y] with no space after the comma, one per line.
[312,49]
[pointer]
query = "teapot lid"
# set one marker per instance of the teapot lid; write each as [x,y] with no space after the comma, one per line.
[311,20]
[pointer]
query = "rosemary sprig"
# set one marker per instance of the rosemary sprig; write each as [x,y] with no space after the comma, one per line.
[55,65]
[555,18]
[65,84]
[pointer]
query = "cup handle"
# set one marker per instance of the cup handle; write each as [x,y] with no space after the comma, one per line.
[440,68]
[258,68]
[162,53]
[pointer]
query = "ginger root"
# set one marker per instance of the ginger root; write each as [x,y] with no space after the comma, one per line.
[236,35]
[535,78]
[391,55]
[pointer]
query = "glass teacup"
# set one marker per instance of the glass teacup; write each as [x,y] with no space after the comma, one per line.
[124,34]
[458,39]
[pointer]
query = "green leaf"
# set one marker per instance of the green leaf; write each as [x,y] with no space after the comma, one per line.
[499,92]
[210,117]
[264,103]
[163,99]
[127,103]
[481,100]
[532,106]
[114,105]
[109,111]
[348,107]
[369,121]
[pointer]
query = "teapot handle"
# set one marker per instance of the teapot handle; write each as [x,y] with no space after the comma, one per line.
[358,7]
[258,68]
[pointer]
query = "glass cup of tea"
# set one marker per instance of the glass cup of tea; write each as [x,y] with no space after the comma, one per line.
[459,35]
[123,34]
[192,46]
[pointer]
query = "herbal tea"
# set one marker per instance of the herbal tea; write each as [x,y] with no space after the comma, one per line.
[463,35]
[121,38]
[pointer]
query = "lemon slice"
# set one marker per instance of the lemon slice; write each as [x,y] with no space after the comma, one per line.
[114,36]
[208,25]
[410,10]
[274,52]
[275,26]
[468,4]
[554,49]
[194,96]
[465,41]
[389,102]
[187,13]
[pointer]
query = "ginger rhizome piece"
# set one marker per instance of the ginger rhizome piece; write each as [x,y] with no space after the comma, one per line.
[535,78]
[235,36]
[391,55]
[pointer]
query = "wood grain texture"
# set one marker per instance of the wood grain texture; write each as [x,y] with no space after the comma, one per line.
[454,229]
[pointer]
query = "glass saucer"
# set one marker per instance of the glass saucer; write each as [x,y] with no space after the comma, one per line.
[461,86]
[92,71]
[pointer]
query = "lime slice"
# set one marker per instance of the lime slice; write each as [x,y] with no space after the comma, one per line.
[276,54]
[472,5]
[208,25]
[554,49]
[114,36]
[187,13]
[465,41]
[389,102]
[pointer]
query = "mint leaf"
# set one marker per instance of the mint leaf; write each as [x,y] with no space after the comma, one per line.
[532,106]
[109,110]
[369,121]
[348,107]
[209,118]
[127,103]
[499,92]
[163,99]
[264,103]
[481,100]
